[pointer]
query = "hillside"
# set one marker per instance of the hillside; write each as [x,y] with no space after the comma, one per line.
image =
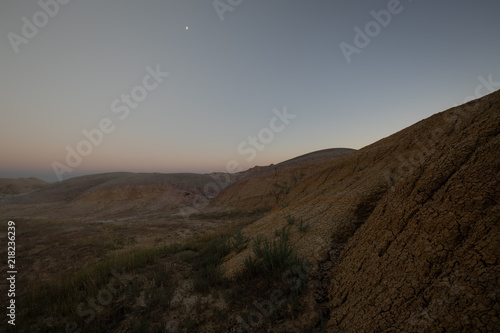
[126,195]
[403,234]
[266,187]
[114,195]
[399,236]
[18,186]
[429,251]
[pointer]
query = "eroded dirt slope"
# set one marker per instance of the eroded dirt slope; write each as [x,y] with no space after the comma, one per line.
[427,258]
[403,233]
[266,187]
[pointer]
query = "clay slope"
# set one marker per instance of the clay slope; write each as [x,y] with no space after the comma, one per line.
[403,233]
[427,257]
[265,187]
[113,195]
[17,186]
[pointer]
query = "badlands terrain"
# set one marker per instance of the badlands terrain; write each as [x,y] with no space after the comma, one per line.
[399,236]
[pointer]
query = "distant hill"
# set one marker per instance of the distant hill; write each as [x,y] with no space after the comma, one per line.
[124,194]
[112,195]
[265,187]
[16,186]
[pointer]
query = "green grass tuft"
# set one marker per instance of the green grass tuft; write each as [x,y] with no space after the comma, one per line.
[303,227]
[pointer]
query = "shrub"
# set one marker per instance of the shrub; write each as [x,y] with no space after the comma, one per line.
[271,256]
[206,265]
[238,241]
[303,227]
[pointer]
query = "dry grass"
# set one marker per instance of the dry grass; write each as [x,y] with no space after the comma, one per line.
[124,285]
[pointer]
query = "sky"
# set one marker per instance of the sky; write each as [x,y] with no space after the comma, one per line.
[203,86]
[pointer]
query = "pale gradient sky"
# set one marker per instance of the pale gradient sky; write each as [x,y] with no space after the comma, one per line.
[227,76]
